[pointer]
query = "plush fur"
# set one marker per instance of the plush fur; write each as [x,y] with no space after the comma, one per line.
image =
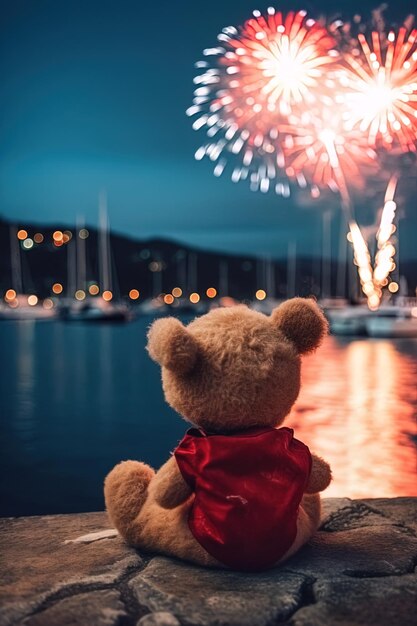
[229,370]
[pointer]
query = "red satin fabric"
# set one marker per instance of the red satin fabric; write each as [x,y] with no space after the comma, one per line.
[248,487]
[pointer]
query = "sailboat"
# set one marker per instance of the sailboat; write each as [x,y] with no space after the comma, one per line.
[18,305]
[101,308]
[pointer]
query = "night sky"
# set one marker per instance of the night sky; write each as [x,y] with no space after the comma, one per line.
[93,95]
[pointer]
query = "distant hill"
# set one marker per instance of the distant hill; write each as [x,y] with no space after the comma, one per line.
[158,265]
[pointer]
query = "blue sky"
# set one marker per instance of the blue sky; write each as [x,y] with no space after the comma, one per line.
[93,95]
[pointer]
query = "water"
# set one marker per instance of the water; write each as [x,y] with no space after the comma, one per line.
[75,399]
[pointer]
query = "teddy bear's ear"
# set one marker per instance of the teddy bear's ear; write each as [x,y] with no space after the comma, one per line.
[171,345]
[302,322]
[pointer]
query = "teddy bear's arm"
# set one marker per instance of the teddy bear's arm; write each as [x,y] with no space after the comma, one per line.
[320,476]
[168,487]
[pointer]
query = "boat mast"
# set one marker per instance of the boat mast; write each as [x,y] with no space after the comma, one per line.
[104,245]
[15,261]
[81,256]
[72,266]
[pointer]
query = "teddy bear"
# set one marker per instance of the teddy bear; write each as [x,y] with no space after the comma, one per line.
[239,491]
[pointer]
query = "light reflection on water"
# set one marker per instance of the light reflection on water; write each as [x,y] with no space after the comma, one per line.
[76,399]
[358,409]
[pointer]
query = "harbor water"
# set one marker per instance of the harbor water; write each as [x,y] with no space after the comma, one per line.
[75,399]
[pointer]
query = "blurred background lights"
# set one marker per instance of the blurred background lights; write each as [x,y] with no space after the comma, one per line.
[177,292]
[134,294]
[58,236]
[393,287]
[211,292]
[260,294]
[79,294]
[57,288]
[107,295]
[83,234]
[194,298]
[22,234]
[168,298]
[48,304]
[10,295]
[27,243]
[38,237]
[155,266]
[32,300]
[94,290]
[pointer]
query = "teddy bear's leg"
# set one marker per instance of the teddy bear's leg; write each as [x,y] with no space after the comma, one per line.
[307,523]
[125,491]
[166,531]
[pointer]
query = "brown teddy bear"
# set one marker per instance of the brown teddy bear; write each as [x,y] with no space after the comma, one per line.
[237,492]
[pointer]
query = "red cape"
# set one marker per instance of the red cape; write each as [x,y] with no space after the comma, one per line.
[248,487]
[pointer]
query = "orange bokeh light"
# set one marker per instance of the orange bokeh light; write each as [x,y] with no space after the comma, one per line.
[57,288]
[168,298]
[194,298]
[134,294]
[22,234]
[211,292]
[10,294]
[94,290]
[107,295]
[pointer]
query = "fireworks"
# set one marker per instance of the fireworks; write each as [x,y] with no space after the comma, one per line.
[262,73]
[284,102]
[380,89]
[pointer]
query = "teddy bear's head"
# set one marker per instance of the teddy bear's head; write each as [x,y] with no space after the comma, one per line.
[235,368]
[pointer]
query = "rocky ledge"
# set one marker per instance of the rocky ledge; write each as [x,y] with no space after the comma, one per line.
[360,569]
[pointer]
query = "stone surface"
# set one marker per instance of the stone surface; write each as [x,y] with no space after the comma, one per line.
[160,618]
[390,601]
[330,506]
[361,552]
[36,562]
[202,596]
[359,570]
[398,510]
[98,608]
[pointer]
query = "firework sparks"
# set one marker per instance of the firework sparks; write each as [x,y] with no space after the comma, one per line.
[326,155]
[379,87]
[384,263]
[261,73]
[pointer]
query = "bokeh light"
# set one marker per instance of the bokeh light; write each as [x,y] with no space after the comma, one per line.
[107,295]
[57,288]
[10,294]
[134,294]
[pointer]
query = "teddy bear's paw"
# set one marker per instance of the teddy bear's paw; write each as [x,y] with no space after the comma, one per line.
[125,491]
